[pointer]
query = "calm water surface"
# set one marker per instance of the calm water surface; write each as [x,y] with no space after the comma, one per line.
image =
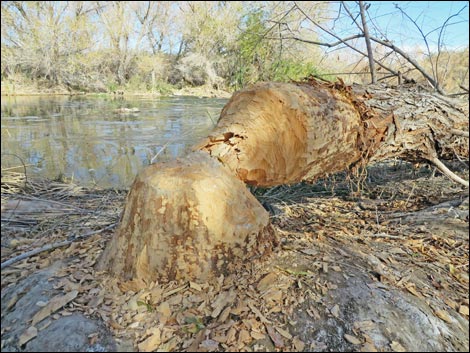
[83,138]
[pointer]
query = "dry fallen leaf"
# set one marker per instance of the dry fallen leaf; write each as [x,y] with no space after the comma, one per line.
[352,339]
[298,344]
[276,337]
[54,304]
[442,314]
[397,347]
[152,342]
[28,335]
[463,310]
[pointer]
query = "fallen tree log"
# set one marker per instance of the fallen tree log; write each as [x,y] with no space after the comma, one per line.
[193,218]
[279,133]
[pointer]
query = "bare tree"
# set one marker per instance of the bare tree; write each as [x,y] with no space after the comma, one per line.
[431,77]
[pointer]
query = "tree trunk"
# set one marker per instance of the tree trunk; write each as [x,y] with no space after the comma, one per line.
[193,218]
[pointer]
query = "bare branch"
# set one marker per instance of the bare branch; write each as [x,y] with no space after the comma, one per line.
[425,39]
[343,42]
[53,246]
[324,44]
[411,61]
[447,172]
[439,43]
[369,46]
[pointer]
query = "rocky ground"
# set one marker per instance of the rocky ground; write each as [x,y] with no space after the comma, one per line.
[377,263]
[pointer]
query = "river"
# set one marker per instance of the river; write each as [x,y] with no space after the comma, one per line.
[85,139]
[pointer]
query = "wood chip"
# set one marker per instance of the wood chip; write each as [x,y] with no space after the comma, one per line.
[463,310]
[221,302]
[443,315]
[257,335]
[152,342]
[267,281]
[28,335]
[258,313]
[209,345]
[275,337]
[54,304]
[352,339]
[298,344]
[397,347]
[284,333]
[335,311]
[195,286]
[244,336]
[164,309]
[368,347]
[413,291]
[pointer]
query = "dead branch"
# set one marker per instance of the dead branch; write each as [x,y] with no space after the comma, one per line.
[53,246]
[447,172]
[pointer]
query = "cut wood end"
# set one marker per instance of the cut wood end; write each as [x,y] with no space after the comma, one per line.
[187,219]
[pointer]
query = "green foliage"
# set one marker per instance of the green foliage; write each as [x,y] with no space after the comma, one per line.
[162,87]
[253,52]
[290,69]
[193,324]
[112,87]
[261,59]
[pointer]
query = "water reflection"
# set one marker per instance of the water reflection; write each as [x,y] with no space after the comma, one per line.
[85,139]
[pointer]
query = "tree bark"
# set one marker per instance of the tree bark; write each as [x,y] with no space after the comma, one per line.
[370,53]
[193,218]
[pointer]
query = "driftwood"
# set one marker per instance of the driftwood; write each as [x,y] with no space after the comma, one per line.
[193,218]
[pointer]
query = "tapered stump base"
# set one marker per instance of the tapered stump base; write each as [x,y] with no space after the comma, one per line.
[187,219]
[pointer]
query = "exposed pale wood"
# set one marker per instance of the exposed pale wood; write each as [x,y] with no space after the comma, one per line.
[193,218]
[187,219]
[277,133]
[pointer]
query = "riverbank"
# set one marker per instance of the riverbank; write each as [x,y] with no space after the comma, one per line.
[384,270]
[34,90]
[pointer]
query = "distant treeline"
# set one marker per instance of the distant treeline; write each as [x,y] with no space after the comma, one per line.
[148,45]
[105,46]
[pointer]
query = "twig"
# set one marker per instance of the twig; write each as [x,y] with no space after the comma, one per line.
[52,246]
[382,235]
[413,62]
[447,172]
[459,132]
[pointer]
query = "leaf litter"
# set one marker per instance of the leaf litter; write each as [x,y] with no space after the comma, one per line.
[382,233]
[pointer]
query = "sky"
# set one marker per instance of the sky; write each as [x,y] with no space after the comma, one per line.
[428,15]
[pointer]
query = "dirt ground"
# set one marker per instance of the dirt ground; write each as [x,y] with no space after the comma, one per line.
[377,263]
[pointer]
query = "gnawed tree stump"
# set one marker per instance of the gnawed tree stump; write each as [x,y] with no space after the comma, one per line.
[187,219]
[192,218]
